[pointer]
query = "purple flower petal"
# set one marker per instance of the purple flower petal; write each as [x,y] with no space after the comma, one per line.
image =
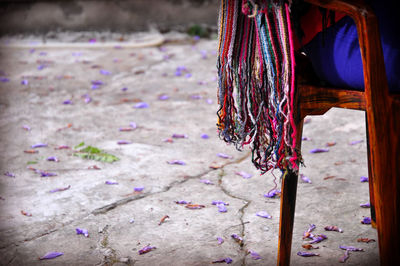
[52,159]
[45,173]
[59,189]
[223,155]
[350,248]
[333,228]
[237,238]
[182,202]
[273,193]
[39,145]
[131,221]
[124,89]
[95,87]
[178,162]
[345,257]
[204,136]
[26,127]
[188,75]
[318,150]
[305,179]
[209,101]
[141,105]
[216,202]
[9,174]
[80,231]
[254,255]
[146,249]
[363,179]
[244,174]
[67,102]
[110,182]
[123,142]
[226,260]
[366,220]
[105,72]
[51,255]
[220,240]
[206,181]
[3,79]
[318,239]
[24,82]
[263,214]
[133,125]
[179,136]
[138,189]
[307,254]
[196,97]
[355,142]
[163,97]
[222,208]
[365,205]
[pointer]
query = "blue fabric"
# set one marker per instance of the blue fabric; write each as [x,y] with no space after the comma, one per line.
[335,53]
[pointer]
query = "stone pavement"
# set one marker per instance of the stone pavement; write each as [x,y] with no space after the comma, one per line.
[129,101]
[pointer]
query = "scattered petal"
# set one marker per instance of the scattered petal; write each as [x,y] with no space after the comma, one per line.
[26,127]
[318,239]
[204,136]
[209,101]
[131,221]
[125,129]
[179,136]
[222,208]
[330,144]
[254,255]
[80,231]
[138,189]
[133,125]
[206,181]
[366,220]
[355,142]
[146,249]
[24,82]
[223,155]
[178,162]
[237,239]
[60,189]
[163,97]
[105,72]
[309,246]
[111,182]
[194,206]
[363,179]
[9,174]
[216,202]
[273,193]
[244,174]
[163,219]
[365,205]
[123,142]
[263,214]
[63,147]
[26,213]
[169,140]
[39,145]
[3,79]
[141,105]
[365,240]
[344,257]
[52,159]
[182,202]
[31,151]
[226,260]
[318,150]
[124,89]
[333,228]
[220,240]
[45,173]
[350,248]
[305,179]
[307,254]
[67,102]
[51,255]
[94,167]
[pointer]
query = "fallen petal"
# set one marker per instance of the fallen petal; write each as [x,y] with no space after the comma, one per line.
[237,239]
[272,193]
[223,155]
[365,240]
[123,142]
[204,136]
[178,162]
[345,257]
[52,159]
[206,181]
[67,102]
[26,213]
[254,255]
[110,182]
[318,239]
[163,219]
[350,248]
[244,174]
[216,202]
[26,127]
[220,240]
[51,255]
[318,150]
[363,179]
[31,151]
[80,231]
[365,205]
[163,97]
[194,206]
[141,105]
[182,202]
[39,145]
[305,179]
[138,189]
[224,260]
[333,228]
[9,174]
[366,220]
[307,254]
[60,189]
[308,246]
[146,249]
[330,144]
[179,136]
[263,214]
[222,208]
[355,142]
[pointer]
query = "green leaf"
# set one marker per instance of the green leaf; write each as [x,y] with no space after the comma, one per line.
[93,153]
[79,145]
[31,162]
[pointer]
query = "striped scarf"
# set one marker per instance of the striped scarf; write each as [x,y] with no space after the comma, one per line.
[256,81]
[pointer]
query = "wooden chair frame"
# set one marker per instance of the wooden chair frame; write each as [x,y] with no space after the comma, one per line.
[383,133]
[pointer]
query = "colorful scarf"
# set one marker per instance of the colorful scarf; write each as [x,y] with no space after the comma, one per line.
[256,81]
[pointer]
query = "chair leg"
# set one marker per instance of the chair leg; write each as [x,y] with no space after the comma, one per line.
[385,160]
[371,179]
[287,211]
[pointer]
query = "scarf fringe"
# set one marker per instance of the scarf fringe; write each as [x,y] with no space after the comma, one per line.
[256,81]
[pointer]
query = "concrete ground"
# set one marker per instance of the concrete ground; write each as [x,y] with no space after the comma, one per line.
[47,97]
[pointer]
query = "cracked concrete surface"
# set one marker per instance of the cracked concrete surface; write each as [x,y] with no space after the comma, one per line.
[120,221]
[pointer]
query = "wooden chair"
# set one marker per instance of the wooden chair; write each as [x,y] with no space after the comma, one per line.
[383,133]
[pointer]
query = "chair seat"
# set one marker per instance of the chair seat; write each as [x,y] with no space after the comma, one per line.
[335,53]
